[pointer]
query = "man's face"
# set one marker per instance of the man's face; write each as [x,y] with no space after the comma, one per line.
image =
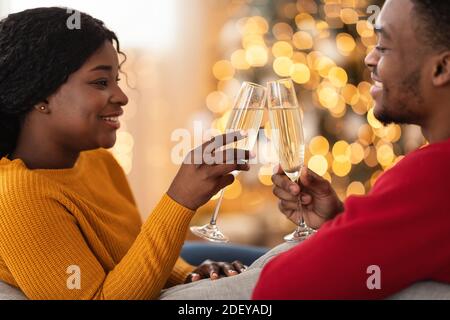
[396,65]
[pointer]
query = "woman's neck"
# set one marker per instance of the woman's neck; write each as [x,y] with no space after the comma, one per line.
[40,152]
[47,160]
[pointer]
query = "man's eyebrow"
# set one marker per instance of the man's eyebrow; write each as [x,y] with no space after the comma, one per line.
[380,30]
[102,68]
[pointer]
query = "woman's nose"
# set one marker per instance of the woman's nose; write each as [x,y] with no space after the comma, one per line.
[120,97]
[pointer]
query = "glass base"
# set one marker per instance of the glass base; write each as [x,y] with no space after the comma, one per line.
[302,233]
[210,232]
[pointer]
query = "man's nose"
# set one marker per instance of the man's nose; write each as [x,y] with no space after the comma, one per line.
[371,60]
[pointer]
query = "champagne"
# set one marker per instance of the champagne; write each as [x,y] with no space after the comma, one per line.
[246,115]
[248,119]
[287,135]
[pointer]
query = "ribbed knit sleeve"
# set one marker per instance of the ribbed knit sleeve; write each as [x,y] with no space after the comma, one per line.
[41,244]
[179,273]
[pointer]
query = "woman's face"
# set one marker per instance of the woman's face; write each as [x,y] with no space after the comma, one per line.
[83,113]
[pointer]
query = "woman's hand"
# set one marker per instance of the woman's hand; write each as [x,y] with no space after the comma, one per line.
[213,270]
[318,199]
[206,171]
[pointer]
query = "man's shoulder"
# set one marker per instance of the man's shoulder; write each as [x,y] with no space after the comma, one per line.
[432,158]
[426,164]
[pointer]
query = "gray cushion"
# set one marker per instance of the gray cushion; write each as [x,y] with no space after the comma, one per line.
[424,291]
[240,287]
[8,292]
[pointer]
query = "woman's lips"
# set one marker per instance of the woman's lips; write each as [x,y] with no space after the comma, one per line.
[111,121]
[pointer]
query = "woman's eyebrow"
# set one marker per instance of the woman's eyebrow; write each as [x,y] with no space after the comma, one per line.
[102,68]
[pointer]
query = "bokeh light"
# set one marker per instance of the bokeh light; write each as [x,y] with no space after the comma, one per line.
[321,46]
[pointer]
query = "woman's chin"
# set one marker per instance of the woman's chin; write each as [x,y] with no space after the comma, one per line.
[107,143]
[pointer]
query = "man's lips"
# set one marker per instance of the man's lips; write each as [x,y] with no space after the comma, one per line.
[377,81]
[377,86]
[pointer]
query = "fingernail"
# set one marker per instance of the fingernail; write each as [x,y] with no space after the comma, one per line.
[275,169]
[293,189]
[252,155]
[304,198]
[214,275]
[195,276]
[243,133]
[233,272]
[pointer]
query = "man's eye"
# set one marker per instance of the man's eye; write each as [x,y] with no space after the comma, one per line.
[381,49]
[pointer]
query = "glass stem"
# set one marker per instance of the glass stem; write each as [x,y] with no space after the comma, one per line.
[216,211]
[301,224]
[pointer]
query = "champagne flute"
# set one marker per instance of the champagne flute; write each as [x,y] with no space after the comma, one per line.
[288,138]
[246,115]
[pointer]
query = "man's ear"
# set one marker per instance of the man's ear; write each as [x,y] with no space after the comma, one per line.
[441,73]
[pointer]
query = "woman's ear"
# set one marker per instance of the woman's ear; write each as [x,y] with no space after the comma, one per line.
[441,74]
[43,107]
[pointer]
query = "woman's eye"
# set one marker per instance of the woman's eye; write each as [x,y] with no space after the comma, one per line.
[102,83]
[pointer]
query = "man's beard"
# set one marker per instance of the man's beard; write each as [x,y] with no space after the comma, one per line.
[400,110]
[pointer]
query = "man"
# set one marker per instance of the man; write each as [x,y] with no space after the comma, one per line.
[374,246]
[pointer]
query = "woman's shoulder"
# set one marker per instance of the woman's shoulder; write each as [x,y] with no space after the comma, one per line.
[16,178]
[14,173]
[19,185]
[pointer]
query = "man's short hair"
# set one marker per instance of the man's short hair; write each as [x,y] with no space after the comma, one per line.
[433,24]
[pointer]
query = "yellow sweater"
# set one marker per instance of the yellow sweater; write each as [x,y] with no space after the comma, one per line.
[53,222]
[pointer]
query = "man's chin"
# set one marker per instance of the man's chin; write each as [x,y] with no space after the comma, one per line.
[378,109]
[381,114]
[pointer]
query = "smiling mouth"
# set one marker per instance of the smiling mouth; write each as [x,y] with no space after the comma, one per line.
[378,84]
[110,119]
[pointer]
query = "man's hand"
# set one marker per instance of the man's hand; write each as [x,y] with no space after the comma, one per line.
[318,199]
[213,270]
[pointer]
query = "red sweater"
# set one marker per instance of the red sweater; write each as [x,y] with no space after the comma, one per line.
[402,226]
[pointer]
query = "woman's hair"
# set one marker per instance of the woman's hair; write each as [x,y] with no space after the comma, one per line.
[39,50]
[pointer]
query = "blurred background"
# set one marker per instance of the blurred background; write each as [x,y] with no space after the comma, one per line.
[186,62]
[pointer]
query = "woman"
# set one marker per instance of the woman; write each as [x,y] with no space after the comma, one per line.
[69,225]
